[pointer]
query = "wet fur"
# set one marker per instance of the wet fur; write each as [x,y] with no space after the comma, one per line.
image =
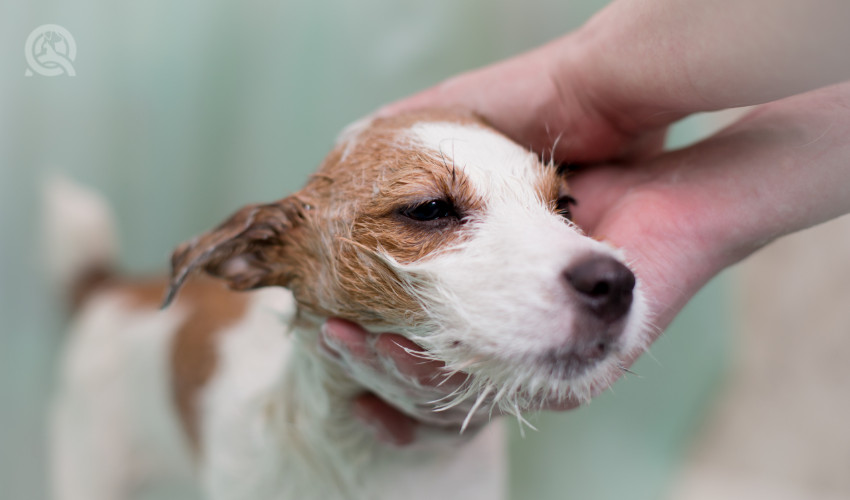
[482,293]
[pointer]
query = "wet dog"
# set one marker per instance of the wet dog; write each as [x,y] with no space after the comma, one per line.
[430,224]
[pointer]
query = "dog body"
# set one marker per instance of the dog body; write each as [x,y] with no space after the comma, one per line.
[428,224]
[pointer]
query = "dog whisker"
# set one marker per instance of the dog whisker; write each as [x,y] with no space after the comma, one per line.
[454,398]
[522,421]
[481,398]
[466,364]
[448,375]
[422,355]
[626,370]
[483,285]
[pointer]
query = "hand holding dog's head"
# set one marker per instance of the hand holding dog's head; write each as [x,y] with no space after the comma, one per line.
[434,225]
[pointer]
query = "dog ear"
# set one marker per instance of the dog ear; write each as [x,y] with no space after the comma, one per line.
[244,250]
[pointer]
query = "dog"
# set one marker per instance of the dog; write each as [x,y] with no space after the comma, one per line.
[430,224]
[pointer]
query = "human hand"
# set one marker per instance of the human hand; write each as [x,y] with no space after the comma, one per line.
[387,355]
[390,364]
[543,100]
[410,386]
[539,100]
[684,216]
[609,90]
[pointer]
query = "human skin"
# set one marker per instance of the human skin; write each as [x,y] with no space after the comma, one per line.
[607,92]
[682,217]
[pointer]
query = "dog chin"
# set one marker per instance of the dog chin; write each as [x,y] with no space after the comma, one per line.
[531,382]
[569,366]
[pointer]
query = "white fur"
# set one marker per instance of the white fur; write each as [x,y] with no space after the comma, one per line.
[78,228]
[495,165]
[279,416]
[275,418]
[114,427]
[268,432]
[502,292]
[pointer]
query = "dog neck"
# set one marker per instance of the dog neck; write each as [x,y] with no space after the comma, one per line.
[317,391]
[314,421]
[310,415]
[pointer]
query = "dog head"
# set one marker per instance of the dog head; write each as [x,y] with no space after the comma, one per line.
[434,225]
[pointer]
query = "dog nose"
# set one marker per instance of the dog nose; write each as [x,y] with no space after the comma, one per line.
[604,286]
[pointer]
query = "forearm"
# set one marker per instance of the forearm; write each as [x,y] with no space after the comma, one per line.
[684,216]
[650,62]
[783,168]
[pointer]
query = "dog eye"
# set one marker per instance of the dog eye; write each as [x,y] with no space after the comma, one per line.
[430,210]
[563,206]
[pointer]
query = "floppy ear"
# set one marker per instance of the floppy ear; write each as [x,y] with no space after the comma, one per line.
[245,250]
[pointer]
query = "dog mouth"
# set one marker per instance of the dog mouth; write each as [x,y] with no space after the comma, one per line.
[569,364]
[592,342]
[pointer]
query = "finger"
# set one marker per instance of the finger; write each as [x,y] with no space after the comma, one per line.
[389,425]
[326,349]
[348,339]
[536,103]
[596,190]
[431,97]
[411,360]
[511,95]
[643,147]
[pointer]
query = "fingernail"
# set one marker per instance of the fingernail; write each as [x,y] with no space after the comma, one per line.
[325,348]
[347,339]
[402,353]
[386,110]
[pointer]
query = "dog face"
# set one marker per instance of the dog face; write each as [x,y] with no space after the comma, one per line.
[433,225]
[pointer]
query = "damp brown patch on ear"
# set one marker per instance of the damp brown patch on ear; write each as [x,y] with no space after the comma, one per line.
[246,250]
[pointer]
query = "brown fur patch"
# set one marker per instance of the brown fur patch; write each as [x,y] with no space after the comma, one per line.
[211,308]
[551,188]
[357,194]
[415,178]
[193,354]
[325,242]
[244,250]
[87,284]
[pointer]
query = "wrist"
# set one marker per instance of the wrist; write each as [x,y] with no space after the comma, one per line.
[632,79]
[778,170]
[652,62]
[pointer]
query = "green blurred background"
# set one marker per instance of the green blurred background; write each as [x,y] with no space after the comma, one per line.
[181,111]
